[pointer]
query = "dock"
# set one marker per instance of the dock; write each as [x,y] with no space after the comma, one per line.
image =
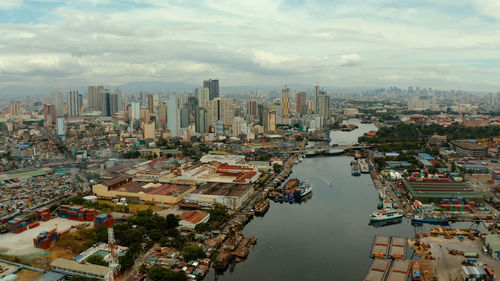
[398,248]
[378,270]
[399,271]
[380,247]
[365,168]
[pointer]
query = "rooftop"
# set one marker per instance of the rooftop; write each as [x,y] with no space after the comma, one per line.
[193,216]
[468,145]
[76,266]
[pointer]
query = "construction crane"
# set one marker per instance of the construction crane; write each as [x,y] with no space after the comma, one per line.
[114,265]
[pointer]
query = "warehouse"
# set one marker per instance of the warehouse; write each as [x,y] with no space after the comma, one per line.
[492,242]
[228,194]
[190,219]
[71,267]
[465,148]
[435,191]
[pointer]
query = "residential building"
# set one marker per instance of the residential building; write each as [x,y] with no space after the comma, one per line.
[324,105]
[49,114]
[213,87]
[58,102]
[15,108]
[106,102]
[301,107]
[73,103]
[203,96]
[173,116]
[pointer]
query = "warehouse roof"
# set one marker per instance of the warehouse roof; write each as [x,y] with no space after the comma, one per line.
[80,267]
[420,189]
[493,241]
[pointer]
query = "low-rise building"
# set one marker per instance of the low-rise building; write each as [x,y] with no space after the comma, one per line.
[470,149]
[190,219]
[228,194]
[74,268]
[436,140]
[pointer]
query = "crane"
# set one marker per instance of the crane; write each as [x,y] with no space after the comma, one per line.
[114,265]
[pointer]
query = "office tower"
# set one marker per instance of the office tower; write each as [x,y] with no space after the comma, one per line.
[162,116]
[285,101]
[73,103]
[60,127]
[173,116]
[260,113]
[269,120]
[237,128]
[252,108]
[301,107]
[120,106]
[316,94]
[185,114]
[152,103]
[58,102]
[94,97]
[49,114]
[203,96]
[105,102]
[145,115]
[201,121]
[221,109]
[213,88]
[324,105]
[113,103]
[15,108]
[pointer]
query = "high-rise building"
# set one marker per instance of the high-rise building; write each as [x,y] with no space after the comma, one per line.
[213,88]
[269,120]
[152,103]
[316,94]
[60,127]
[324,105]
[145,115]
[201,121]
[73,103]
[185,117]
[162,116]
[49,114]
[173,116]
[301,106]
[252,108]
[58,102]
[120,105]
[94,97]
[221,109]
[148,130]
[203,96]
[238,126]
[105,102]
[285,101]
[15,108]
[113,103]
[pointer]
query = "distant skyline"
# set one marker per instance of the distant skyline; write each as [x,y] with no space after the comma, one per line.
[440,44]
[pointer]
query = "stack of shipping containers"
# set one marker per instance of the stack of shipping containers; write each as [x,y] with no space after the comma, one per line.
[44,239]
[17,225]
[43,214]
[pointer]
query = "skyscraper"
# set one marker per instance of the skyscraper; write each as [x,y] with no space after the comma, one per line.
[58,102]
[152,103]
[252,108]
[94,98]
[301,107]
[269,120]
[73,103]
[221,110]
[213,87]
[15,108]
[106,102]
[324,105]
[201,121]
[135,113]
[173,116]
[113,103]
[203,96]
[316,94]
[162,116]
[285,101]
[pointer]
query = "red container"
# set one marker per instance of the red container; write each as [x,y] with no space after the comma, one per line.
[33,225]
[81,218]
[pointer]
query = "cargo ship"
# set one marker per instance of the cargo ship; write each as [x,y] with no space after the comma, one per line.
[422,219]
[385,215]
[415,272]
[261,208]
[355,171]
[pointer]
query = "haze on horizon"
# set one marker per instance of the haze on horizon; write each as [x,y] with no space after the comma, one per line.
[441,44]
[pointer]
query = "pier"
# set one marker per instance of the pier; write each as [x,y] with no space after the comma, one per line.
[380,247]
[398,248]
[399,271]
[378,270]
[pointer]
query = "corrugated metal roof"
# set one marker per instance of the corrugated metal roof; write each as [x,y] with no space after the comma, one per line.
[76,266]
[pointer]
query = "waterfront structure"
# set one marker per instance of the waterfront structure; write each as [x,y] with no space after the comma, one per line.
[228,194]
[73,103]
[190,219]
[465,148]
[173,116]
[58,102]
[213,87]
[435,191]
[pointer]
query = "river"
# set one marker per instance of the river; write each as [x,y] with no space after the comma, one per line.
[326,237]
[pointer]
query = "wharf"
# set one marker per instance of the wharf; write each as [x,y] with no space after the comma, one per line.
[378,270]
[380,247]
[365,168]
[399,271]
[398,248]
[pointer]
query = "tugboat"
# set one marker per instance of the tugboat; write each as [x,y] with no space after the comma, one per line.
[261,208]
[415,272]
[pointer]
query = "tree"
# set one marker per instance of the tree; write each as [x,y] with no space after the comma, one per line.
[155,235]
[192,252]
[202,227]
[96,259]
[276,168]
[172,221]
[158,273]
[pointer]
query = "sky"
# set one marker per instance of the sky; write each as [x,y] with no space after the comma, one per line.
[443,44]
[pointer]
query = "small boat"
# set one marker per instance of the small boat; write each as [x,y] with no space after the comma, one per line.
[280,198]
[276,198]
[261,208]
[415,272]
[385,215]
[291,200]
[355,170]
[302,190]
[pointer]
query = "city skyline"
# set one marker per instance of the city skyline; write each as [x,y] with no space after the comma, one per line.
[345,44]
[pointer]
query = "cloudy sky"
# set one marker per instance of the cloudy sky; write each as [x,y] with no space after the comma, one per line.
[370,43]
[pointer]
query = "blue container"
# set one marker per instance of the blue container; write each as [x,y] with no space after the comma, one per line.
[53,236]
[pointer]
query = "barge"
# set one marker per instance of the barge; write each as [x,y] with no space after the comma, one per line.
[400,270]
[380,247]
[378,270]
[398,248]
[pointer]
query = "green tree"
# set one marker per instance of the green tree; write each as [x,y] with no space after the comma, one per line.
[158,273]
[96,259]
[192,252]
[172,221]
[202,227]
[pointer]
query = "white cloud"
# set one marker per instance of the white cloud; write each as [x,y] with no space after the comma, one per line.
[349,60]
[10,4]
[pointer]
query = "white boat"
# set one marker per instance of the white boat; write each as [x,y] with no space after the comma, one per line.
[381,194]
[302,190]
[385,215]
